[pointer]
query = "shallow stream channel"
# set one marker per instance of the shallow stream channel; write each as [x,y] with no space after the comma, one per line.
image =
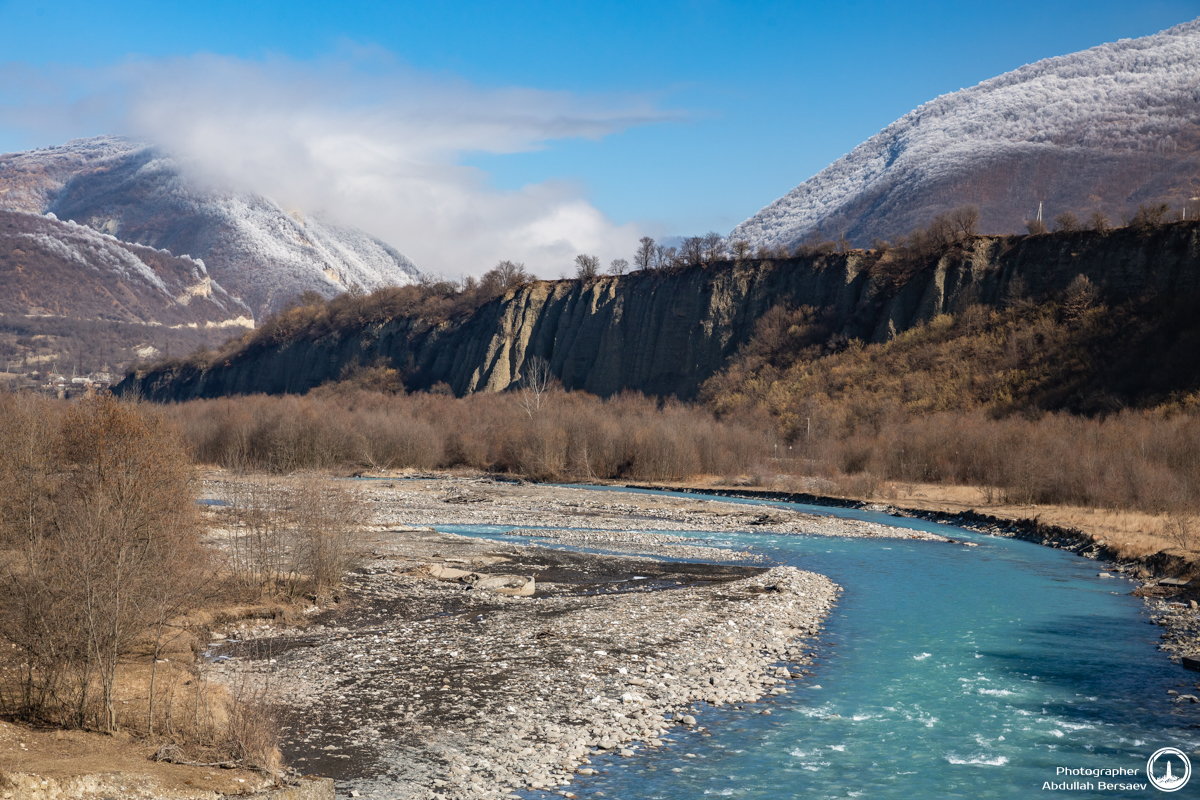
[945,671]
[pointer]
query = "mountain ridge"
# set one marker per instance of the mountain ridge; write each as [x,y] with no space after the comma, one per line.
[54,268]
[259,252]
[1100,130]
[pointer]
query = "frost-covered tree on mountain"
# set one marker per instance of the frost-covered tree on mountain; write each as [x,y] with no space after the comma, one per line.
[1099,131]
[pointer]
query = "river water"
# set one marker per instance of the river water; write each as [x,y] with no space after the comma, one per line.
[945,671]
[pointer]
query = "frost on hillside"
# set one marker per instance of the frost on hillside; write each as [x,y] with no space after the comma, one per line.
[1086,131]
[261,253]
[46,263]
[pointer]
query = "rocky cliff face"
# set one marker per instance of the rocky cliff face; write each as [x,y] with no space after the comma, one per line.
[666,332]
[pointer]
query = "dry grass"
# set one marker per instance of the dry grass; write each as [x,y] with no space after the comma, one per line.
[1132,533]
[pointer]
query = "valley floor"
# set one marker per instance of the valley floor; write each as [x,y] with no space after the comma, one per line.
[416,686]
[422,683]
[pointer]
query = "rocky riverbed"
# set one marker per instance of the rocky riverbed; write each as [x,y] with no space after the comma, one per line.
[423,684]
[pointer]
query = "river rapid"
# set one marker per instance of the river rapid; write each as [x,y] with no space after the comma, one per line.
[945,671]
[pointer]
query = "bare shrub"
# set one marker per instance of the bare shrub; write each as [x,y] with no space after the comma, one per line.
[1149,215]
[1067,222]
[1098,221]
[1179,528]
[587,267]
[116,553]
[292,537]
[1035,227]
[964,221]
[251,733]
[1080,295]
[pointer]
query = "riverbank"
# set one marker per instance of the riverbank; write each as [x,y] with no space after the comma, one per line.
[1168,580]
[422,683]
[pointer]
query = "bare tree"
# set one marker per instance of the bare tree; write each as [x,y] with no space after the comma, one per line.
[586,266]
[1098,221]
[504,276]
[1080,296]
[644,257]
[536,380]
[712,243]
[619,266]
[964,221]
[127,523]
[1149,215]
[692,251]
[1015,294]
[741,249]
[1035,227]
[1066,222]
[116,550]
[1179,527]
[665,256]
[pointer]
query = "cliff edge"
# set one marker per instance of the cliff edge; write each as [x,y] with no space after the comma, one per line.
[665,332]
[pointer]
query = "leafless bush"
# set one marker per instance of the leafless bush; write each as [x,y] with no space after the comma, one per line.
[1067,222]
[587,267]
[114,553]
[1080,296]
[546,434]
[1179,527]
[250,737]
[1149,215]
[291,537]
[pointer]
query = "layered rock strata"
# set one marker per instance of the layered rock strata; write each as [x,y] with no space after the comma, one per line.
[665,332]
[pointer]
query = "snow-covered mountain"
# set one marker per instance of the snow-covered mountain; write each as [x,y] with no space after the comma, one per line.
[50,268]
[1105,129]
[261,253]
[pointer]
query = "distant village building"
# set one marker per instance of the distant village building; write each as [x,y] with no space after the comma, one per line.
[63,387]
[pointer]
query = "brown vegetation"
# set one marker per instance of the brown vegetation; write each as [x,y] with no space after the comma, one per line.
[289,538]
[100,556]
[540,432]
[1029,403]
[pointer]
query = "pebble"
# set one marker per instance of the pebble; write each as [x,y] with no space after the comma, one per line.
[463,693]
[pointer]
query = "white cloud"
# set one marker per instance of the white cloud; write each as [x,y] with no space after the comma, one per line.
[359,138]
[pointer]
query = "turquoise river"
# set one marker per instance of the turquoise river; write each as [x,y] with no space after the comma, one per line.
[945,671]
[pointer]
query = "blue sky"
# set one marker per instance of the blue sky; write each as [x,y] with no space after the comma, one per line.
[579,125]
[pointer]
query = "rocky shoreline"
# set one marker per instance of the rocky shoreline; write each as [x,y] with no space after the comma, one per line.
[442,688]
[1164,580]
[423,687]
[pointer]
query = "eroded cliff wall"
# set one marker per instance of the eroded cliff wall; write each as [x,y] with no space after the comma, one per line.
[665,332]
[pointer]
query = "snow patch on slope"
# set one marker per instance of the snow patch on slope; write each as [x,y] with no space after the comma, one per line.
[99,251]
